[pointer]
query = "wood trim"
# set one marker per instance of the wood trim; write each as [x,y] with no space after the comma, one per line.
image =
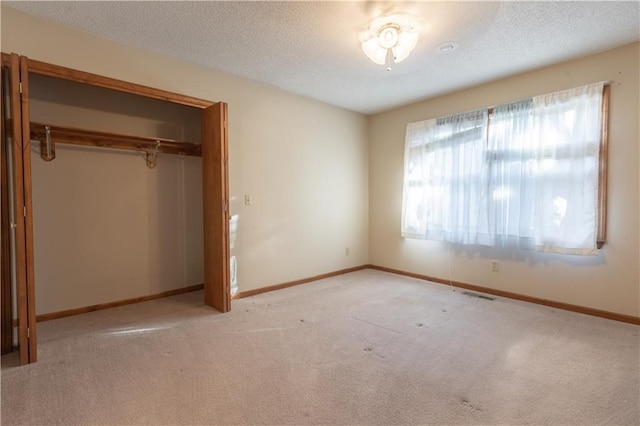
[101,306]
[559,305]
[267,289]
[18,195]
[6,59]
[28,215]
[57,71]
[75,136]
[601,235]
[215,188]
[6,329]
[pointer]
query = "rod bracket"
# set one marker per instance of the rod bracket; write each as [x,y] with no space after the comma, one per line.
[47,147]
[152,156]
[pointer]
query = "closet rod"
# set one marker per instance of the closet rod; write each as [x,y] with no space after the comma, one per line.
[73,136]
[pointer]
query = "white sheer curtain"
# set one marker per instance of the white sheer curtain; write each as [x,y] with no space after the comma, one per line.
[527,176]
[567,129]
[511,168]
[443,185]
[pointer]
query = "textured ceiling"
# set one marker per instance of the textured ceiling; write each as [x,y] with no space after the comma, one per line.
[312,48]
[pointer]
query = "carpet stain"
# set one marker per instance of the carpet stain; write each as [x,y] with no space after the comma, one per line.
[370,349]
[465,402]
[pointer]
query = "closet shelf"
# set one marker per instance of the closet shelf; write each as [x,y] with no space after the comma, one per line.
[74,136]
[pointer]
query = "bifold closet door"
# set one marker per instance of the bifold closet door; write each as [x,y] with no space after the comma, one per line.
[215,202]
[17,208]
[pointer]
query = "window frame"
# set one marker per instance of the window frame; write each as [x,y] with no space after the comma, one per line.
[601,225]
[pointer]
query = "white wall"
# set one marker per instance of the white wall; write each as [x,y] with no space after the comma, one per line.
[304,163]
[609,281]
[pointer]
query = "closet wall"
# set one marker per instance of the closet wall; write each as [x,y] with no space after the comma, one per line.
[106,227]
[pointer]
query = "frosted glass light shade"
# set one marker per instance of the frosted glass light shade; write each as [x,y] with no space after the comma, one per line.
[406,43]
[374,51]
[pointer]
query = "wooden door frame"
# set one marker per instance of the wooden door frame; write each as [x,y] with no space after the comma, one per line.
[214,169]
[5,222]
[30,290]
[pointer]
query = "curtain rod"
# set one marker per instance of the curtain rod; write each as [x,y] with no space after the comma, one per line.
[605,83]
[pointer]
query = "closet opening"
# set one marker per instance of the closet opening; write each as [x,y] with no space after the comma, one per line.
[129,193]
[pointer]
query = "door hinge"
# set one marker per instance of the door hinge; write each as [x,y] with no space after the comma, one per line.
[28,332]
[20,87]
[24,211]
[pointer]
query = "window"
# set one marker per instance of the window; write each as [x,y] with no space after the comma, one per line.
[527,174]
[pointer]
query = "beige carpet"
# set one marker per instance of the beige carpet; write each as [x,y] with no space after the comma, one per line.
[363,348]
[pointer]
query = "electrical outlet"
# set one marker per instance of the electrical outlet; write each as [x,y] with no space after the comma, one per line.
[495,266]
[346,251]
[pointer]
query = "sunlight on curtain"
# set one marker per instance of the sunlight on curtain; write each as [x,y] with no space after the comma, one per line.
[525,177]
[444,183]
[511,170]
[567,128]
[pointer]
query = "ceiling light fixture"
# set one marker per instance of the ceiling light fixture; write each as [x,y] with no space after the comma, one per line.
[389,40]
